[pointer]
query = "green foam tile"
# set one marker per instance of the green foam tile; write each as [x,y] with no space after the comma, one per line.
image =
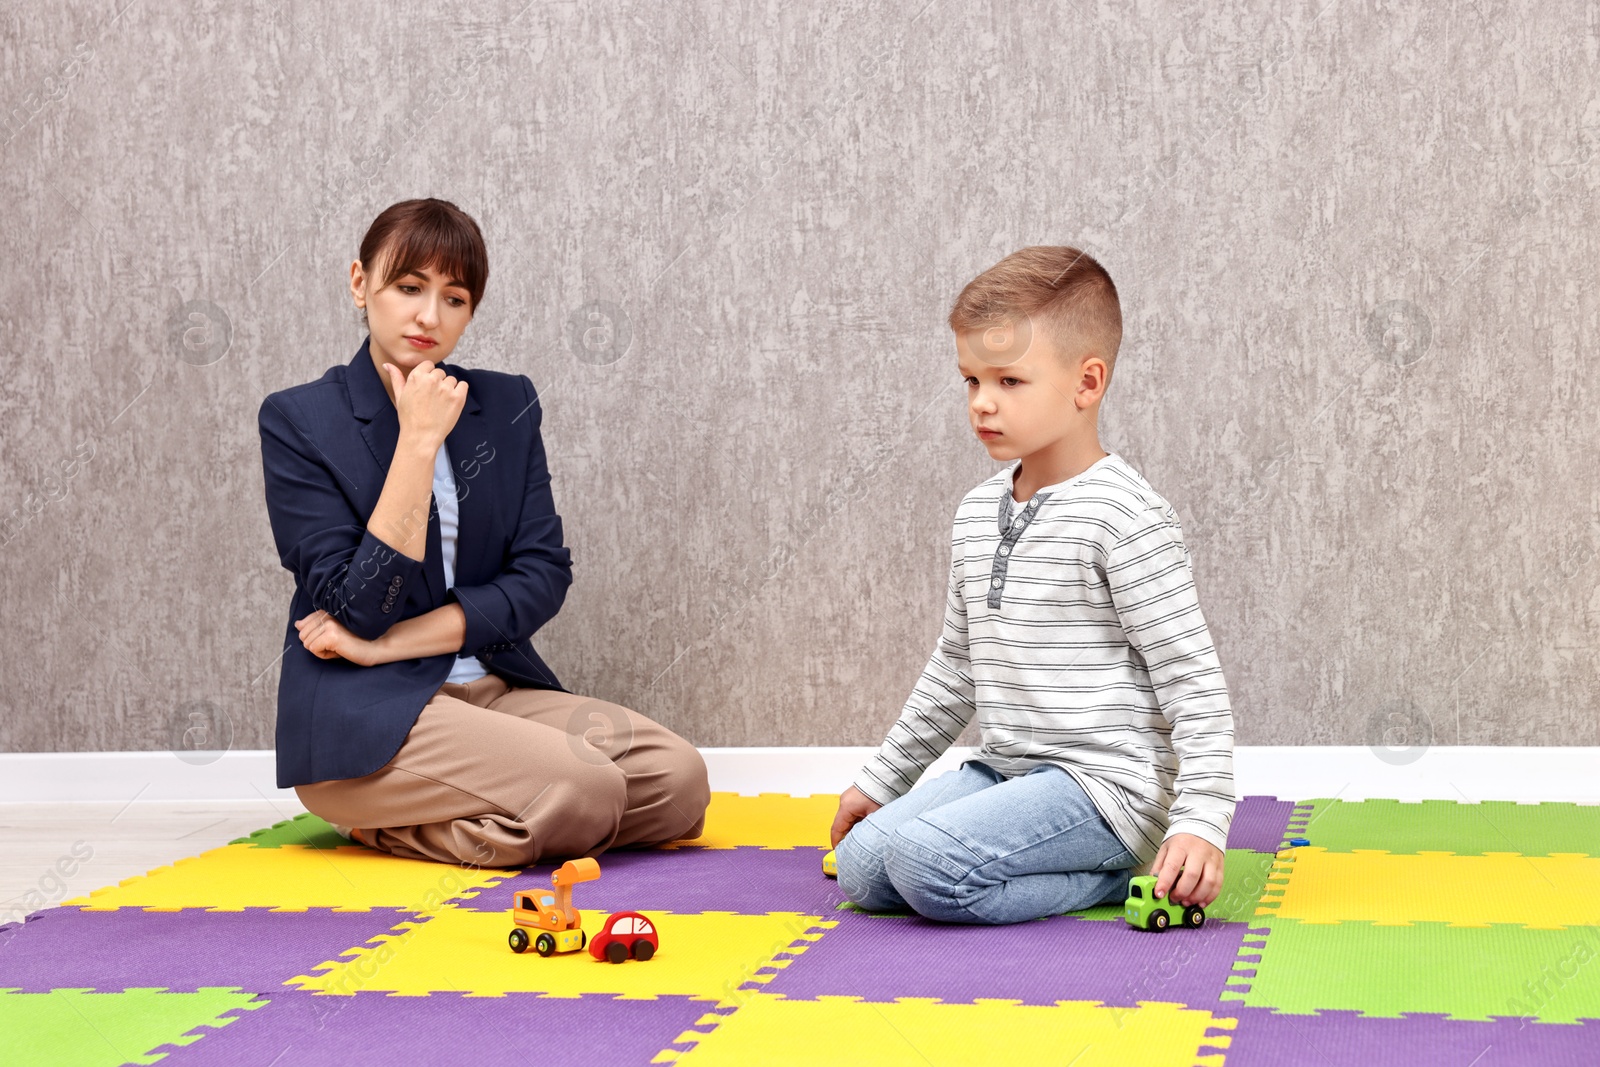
[304,829]
[79,1028]
[1447,826]
[1467,973]
[1244,879]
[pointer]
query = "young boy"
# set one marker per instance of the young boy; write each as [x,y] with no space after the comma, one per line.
[1072,631]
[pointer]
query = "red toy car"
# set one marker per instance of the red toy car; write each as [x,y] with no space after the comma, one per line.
[626,933]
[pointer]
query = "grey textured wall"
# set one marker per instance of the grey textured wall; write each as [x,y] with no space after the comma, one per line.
[1354,244]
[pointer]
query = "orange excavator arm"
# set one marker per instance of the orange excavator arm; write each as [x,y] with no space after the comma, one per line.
[567,875]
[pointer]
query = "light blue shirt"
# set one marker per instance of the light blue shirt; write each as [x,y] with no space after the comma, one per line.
[467,668]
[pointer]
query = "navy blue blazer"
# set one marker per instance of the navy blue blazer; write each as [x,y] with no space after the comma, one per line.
[325,449]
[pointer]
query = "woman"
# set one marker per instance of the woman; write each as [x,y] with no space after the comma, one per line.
[411,500]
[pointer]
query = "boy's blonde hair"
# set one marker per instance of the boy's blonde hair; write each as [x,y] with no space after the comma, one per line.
[1057,290]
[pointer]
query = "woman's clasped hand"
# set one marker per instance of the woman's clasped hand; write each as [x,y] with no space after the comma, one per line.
[326,638]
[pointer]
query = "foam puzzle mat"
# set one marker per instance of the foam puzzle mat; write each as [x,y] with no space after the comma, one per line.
[1402,934]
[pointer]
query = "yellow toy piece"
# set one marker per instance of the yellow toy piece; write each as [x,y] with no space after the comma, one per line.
[559,924]
[829,867]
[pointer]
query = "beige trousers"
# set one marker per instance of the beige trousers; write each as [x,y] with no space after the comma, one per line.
[496,776]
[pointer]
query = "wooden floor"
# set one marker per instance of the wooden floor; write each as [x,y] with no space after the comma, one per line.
[53,852]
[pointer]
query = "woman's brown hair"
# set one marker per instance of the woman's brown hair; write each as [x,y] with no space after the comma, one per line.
[429,233]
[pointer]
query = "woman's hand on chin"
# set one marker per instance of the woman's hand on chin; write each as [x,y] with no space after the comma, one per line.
[326,638]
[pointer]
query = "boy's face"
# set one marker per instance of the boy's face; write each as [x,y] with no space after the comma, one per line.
[1021,388]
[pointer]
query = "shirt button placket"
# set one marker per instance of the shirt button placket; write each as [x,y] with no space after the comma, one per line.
[997,573]
[1008,540]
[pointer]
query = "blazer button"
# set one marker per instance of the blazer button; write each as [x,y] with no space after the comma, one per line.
[387,608]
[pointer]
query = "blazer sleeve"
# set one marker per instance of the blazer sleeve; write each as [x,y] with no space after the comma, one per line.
[344,568]
[529,590]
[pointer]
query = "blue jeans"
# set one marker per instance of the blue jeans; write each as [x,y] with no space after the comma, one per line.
[973,846]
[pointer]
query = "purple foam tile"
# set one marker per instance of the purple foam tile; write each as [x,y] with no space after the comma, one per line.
[1264,1038]
[1260,823]
[443,1029]
[254,949]
[749,881]
[881,957]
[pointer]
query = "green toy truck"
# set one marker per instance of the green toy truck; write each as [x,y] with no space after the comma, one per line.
[1145,912]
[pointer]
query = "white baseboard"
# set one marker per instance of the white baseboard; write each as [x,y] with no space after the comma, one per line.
[1460,773]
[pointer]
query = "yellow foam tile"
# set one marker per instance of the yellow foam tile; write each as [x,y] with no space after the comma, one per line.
[456,950]
[1532,891]
[767,820]
[293,878]
[775,1031]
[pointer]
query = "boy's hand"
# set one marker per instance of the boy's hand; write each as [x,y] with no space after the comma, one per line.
[854,805]
[1200,863]
[326,638]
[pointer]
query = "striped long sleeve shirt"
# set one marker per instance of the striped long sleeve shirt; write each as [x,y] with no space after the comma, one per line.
[1073,632]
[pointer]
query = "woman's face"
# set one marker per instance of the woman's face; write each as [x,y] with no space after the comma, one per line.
[417,306]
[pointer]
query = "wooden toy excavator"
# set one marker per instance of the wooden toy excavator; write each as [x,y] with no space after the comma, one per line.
[558,923]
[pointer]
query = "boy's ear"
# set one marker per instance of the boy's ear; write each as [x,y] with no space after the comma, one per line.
[1093,373]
